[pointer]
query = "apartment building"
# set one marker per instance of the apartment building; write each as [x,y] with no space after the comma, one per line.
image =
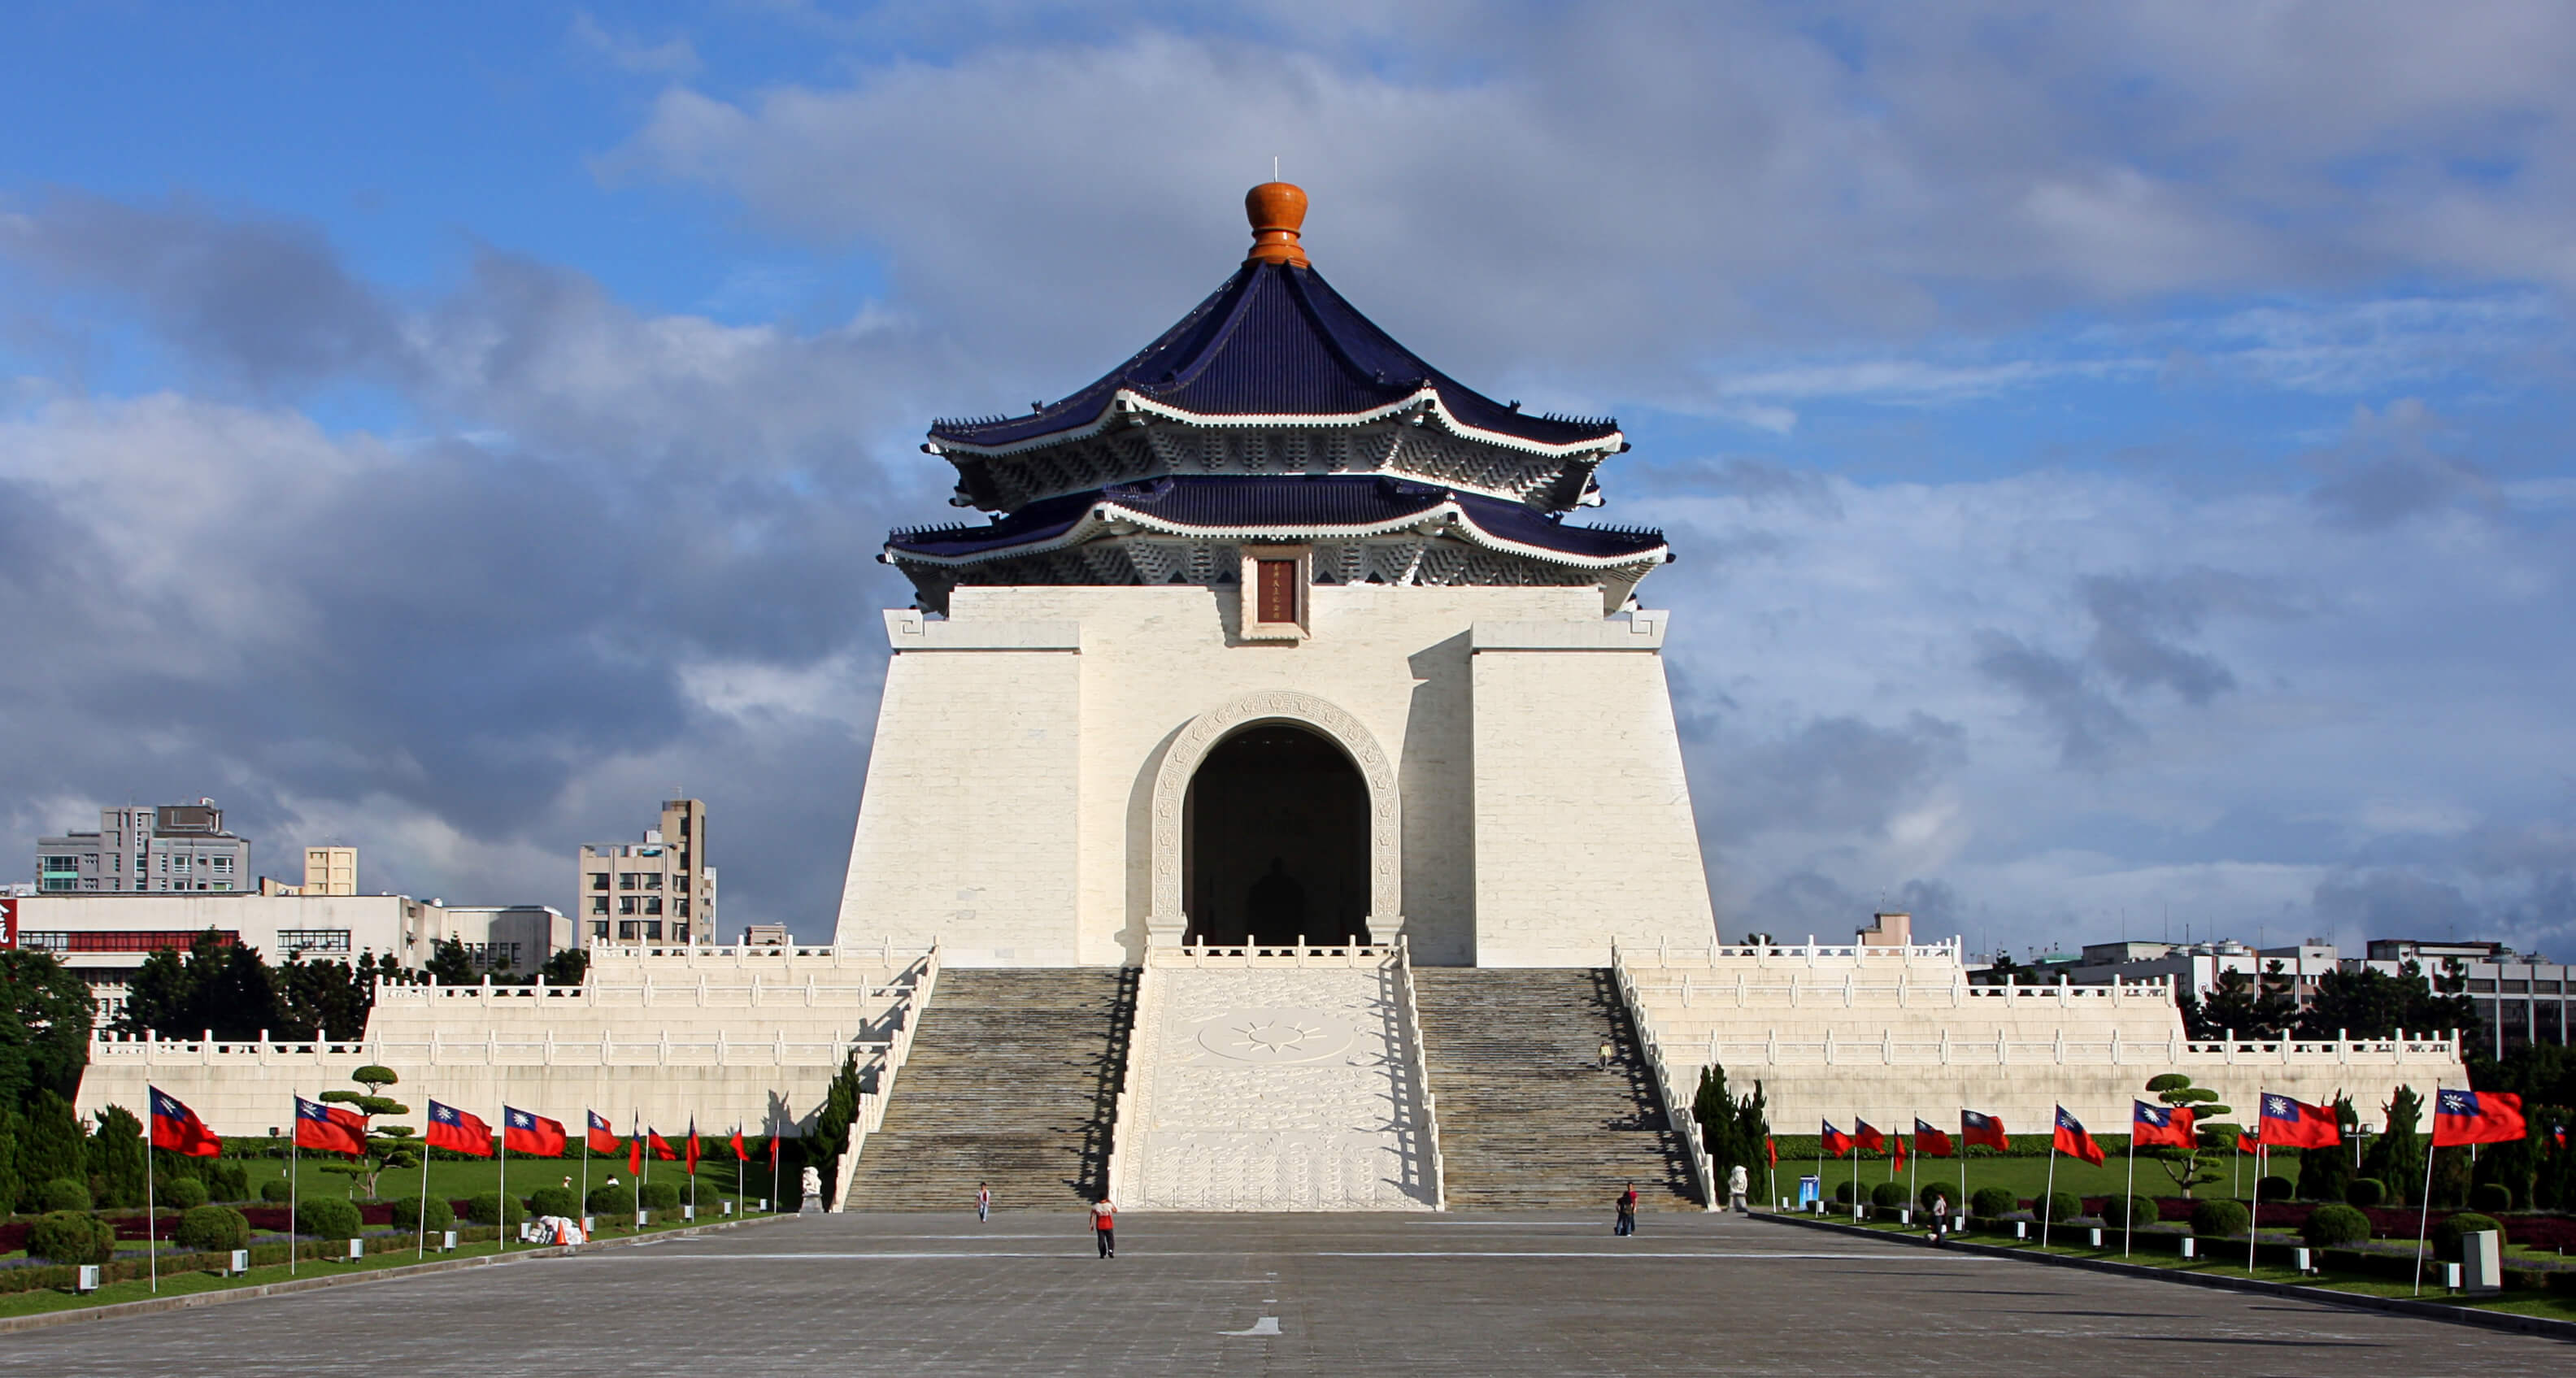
[169,849]
[659,890]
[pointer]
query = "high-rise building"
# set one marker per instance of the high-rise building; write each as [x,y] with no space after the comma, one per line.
[330,871]
[171,848]
[659,890]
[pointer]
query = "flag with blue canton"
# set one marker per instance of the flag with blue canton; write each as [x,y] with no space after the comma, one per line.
[2072,1139]
[458,1131]
[2476,1117]
[531,1134]
[2169,1125]
[176,1127]
[2291,1123]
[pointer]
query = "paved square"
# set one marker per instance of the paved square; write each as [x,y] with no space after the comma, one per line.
[1324,1294]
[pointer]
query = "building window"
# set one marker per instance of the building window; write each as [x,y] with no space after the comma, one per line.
[223,863]
[625,904]
[680,906]
[628,930]
[652,880]
[652,904]
[599,929]
[599,904]
[313,939]
[626,880]
[599,880]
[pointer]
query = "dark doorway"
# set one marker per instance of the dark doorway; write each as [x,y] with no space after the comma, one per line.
[1275,842]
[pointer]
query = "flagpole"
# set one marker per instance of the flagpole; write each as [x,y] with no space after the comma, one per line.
[502,1230]
[420,1245]
[1964,1146]
[2129,1193]
[585,1169]
[2047,1217]
[1855,1166]
[151,1222]
[2254,1205]
[2424,1216]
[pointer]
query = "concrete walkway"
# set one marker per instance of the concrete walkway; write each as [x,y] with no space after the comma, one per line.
[1338,1294]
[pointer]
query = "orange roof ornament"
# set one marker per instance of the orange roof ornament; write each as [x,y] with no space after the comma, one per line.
[1277,211]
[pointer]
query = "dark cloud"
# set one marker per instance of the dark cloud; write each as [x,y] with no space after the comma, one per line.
[1839,774]
[2396,904]
[2394,465]
[2088,727]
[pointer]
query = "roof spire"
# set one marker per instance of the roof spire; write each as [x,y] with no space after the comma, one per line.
[1277,211]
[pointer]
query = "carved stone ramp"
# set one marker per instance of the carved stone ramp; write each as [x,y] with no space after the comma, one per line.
[1011,1082]
[1528,1120]
[1278,1087]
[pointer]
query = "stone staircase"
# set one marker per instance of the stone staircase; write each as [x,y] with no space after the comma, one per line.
[1012,1081]
[1528,1121]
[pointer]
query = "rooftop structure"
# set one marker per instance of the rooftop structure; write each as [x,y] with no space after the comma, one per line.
[168,849]
[659,890]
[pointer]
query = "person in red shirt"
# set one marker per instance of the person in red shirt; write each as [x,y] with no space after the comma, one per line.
[1103,1227]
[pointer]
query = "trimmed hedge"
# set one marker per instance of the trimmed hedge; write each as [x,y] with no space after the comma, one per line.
[618,1201]
[2130,1212]
[2275,1187]
[2490,1197]
[180,1193]
[407,1213]
[328,1218]
[1948,1191]
[489,1208]
[63,1194]
[2332,1226]
[2365,1192]
[1889,1196]
[212,1229]
[227,1181]
[2446,1236]
[278,1190]
[71,1237]
[1990,1202]
[665,1196]
[2218,1219]
[554,1201]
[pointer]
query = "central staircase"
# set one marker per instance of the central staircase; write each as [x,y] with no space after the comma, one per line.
[1012,1080]
[1528,1120]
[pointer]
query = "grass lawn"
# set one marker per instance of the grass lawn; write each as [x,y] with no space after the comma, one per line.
[2229,1261]
[456,1181]
[2026,1177]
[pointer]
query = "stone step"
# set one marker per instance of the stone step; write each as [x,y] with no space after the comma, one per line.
[1528,1120]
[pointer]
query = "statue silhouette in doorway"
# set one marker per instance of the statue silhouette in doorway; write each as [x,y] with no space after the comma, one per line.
[1277,906]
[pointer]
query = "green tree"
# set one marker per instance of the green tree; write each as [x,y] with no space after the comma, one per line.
[327,999]
[2396,1158]
[1714,1110]
[50,1144]
[566,968]
[2375,1004]
[115,1154]
[2324,1172]
[44,1027]
[389,1146]
[2242,1004]
[450,966]
[2211,1133]
[1753,1130]
[217,986]
[11,1184]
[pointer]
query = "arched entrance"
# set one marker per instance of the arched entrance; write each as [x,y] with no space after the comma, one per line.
[1275,841]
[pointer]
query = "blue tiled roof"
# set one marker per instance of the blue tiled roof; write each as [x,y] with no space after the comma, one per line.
[1275,340]
[1317,504]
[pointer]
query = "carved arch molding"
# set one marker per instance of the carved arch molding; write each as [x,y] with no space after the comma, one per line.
[1167,924]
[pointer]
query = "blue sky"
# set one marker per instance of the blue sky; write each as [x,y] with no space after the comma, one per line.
[2118,453]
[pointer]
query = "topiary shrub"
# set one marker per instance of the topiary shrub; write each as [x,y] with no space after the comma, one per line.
[2446,1236]
[1844,1192]
[227,1181]
[1947,1191]
[2334,1227]
[212,1229]
[488,1209]
[328,1217]
[2130,1212]
[2277,1188]
[2365,1192]
[71,1237]
[665,1196]
[554,1201]
[2058,1207]
[277,1191]
[63,1194]
[1888,1196]
[617,1200]
[1991,1202]
[407,1214]
[2490,1197]
[180,1193]
[2219,1219]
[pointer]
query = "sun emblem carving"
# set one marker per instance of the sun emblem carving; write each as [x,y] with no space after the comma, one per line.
[1275,1035]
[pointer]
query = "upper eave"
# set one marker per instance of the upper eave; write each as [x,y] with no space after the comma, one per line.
[1423,406]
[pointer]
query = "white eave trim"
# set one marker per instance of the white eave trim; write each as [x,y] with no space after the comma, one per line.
[1126,402]
[1448,515]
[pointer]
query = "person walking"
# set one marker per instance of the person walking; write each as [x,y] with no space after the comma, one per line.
[1738,1182]
[983,1201]
[1627,1211]
[1607,1052]
[1104,1226]
[1940,1217]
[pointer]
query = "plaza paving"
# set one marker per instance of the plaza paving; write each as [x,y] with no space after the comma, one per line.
[1343,1293]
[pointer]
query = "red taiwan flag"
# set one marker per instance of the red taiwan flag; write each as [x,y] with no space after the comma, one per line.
[1770,1150]
[328,1129]
[661,1147]
[1896,1152]
[534,1135]
[1930,1142]
[740,1154]
[600,1137]
[773,1153]
[1837,1142]
[2459,1117]
[177,1128]
[634,1157]
[2246,1145]
[2072,1139]
[1867,1137]
[457,1131]
[2160,1124]
[693,1148]
[2291,1123]
[1982,1129]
